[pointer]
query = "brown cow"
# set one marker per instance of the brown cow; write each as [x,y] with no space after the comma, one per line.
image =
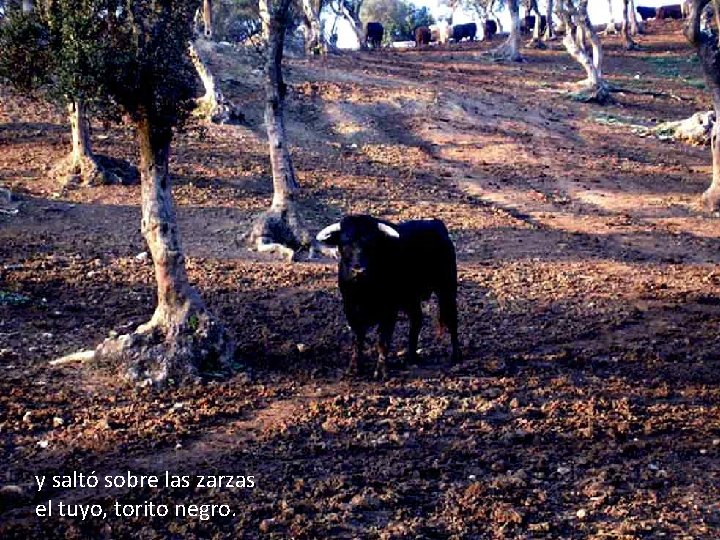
[422,36]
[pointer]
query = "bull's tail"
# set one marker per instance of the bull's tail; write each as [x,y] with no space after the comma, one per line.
[448,319]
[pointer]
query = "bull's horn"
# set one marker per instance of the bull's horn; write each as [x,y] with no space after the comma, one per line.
[327,232]
[388,230]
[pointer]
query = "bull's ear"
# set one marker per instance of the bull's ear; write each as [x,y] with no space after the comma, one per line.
[388,230]
[330,235]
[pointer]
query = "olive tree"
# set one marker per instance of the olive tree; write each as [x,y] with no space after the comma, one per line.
[59,48]
[583,44]
[705,42]
[280,229]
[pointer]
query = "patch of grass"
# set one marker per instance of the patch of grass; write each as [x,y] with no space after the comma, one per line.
[669,66]
[696,83]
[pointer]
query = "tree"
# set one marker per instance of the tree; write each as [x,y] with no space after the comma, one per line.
[537,40]
[44,50]
[549,26]
[350,11]
[578,33]
[280,229]
[708,50]
[510,50]
[626,27]
[151,78]
[207,15]
[611,27]
[314,39]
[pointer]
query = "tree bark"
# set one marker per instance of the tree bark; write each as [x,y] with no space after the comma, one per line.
[314,42]
[279,229]
[579,31]
[510,50]
[628,41]
[207,19]
[632,15]
[182,339]
[611,27]
[80,167]
[550,27]
[706,44]
[212,106]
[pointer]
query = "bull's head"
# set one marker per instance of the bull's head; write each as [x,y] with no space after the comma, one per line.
[358,239]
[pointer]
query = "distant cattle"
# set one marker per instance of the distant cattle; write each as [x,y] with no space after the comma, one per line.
[422,36]
[527,24]
[490,30]
[386,268]
[374,33]
[646,12]
[463,31]
[673,11]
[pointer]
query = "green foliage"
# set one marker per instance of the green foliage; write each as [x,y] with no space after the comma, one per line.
[236,20]
[129,55]
[398,17]
[150,74]
[25,44]
[8,298]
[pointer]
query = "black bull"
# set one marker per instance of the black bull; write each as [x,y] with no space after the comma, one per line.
[462,31]
[374,33]
[386,268]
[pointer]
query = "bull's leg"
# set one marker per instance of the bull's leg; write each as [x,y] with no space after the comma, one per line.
[357,346]
[385,332]
[415,315]
[448,318]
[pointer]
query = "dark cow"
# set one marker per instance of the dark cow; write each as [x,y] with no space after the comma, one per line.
[374,33]
[646,12]
[422,36]
[527,24]
[386,268]
[673,11]
[490,30]
[462,31]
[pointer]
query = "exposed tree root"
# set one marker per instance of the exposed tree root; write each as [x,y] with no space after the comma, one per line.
[281,231]
[710,200]
[695,130]
[178,348]
[506,52]
[592,93]
[82,170]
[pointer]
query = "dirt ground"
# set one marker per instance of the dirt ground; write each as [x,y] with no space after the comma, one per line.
[588,403]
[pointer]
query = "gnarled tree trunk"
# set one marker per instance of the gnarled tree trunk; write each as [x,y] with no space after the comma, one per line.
[80,166]
[510,50]
[314,41]
[611,27]
[212,106]
[632,15]
[706,44]
[280,228]
[579,31]
[549,27]
[182,339]
[626,30]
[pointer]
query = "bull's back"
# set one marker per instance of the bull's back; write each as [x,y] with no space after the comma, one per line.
[426,259]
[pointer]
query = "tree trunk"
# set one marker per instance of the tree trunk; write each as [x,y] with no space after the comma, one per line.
[549,27]
[314,42]
[708,51]
[207,19]
[510,50]
[182,339]
[280,229]
[537,37]
[80,167]
[626,32]
[611,27]
[634,28]
[212,106]
[579,31]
